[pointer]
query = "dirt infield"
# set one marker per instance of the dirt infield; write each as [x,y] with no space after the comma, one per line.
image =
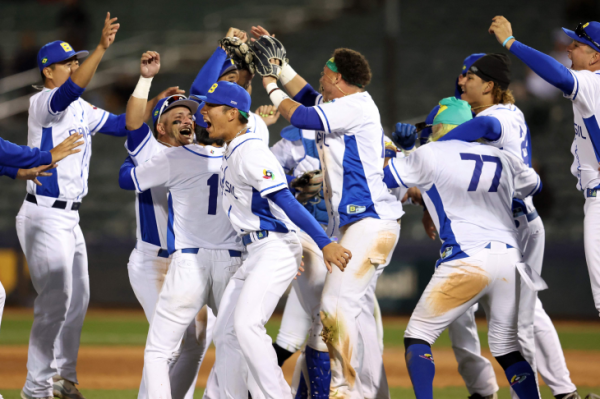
[120,367]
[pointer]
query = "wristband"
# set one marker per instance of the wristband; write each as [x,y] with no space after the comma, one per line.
[143,88]
[287,74]
[506,41]
[276,94]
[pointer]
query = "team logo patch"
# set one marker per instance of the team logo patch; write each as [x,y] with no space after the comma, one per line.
[586,25]
[517,379]
[447,252]
[66,46]
[155,112]
[44,60]
[212,151]
[464,67]
[591,193]
[427,356]
[474,68]
[355,209]
[267,174]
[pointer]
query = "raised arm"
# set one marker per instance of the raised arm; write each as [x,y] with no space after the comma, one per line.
[486,127]
[21,156]
[209,73]
[136,106]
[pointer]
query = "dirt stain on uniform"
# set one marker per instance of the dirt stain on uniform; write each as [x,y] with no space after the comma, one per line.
[378,253]
[458,288]
[338,343]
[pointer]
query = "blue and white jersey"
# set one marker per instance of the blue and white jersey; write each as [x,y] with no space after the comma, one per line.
[151,206]
[191,174]
[257,125]
[468,190]
[297,153]
[351,150]
[515,138]
[46,129]
[586,144]
[249,173]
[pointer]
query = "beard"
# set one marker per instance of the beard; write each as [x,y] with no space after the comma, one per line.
[203,137]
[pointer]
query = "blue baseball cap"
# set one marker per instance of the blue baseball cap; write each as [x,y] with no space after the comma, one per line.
[469,61]
[228,66]
[588,33]
[230,94]
[168,103]
[57,51]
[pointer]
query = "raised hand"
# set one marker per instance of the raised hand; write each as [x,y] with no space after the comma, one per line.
[268,113]
[150,64]
[258,31]
[33,173]
[405,135]
[502,29]
[67,147]
[336,254]
[109,31]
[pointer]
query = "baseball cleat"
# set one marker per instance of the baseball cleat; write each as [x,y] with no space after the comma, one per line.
[592,396]
[478,396]
[65,389]
[572,395]
[25,396]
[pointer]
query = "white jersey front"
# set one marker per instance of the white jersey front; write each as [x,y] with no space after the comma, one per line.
[151,206]
[586,144]
[249,173]
[352,151]
[191,174]
[46,129]
[468,190]
[256,125]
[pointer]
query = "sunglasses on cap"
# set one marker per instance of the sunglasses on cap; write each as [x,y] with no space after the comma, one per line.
[169,101]
[580,31]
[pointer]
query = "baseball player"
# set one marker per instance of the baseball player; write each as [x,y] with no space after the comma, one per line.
[361,210]
[48,221]
[580,84]
[150,259]
[464,184]
[265,214]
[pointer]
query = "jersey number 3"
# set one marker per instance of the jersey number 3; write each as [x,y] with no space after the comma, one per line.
[479,160]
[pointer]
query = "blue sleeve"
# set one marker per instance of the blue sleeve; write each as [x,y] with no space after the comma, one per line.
[135,137]
[114,126]
[306,118]
[8,171]
[486,127]
[209,73]
[65,95]
[388,178]
[545,66]
[289,181]
[307,96]
[125,179]
[22,156]
[300,216]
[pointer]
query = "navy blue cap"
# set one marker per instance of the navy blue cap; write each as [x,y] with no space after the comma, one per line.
[228,66]
[230,94]
[168,103]
[592,29]
[57,51]
[469,61]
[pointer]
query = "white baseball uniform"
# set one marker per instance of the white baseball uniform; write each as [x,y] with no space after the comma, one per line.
[257,125]
[363,214]
[249,173]
[468,189]
[50,236]
[549,359]
[203,259]
[148,266]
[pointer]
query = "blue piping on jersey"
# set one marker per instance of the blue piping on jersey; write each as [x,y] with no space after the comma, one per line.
[446,233]
[268,188]
[260,207]
[49,101]
[576,86]
[229,211]
[170,230]
[539,181]
[235,148]
[594,134]
[204,156]
[136,180]
[148,226]
[326,120]
[101,120]
[398,174]
[83,181]
[142,146]
[49,187]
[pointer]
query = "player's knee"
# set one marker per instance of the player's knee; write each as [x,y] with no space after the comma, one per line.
[509,359]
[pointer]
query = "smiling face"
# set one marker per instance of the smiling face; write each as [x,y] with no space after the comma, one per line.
[176,127]
[583,57]
[58,73]
[327,84]
[474,89]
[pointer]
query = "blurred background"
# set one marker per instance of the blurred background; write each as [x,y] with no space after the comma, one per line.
[415,49]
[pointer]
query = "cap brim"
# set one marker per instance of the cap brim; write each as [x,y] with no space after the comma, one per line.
[191,104]
[583,40]
[82,54]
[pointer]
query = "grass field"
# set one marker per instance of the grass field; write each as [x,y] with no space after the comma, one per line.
[124,334]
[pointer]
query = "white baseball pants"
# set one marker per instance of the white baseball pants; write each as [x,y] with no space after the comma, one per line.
[147,273]
[372,242]
[55,250]
[295,323]
[187,288]
[591,239]
[243,346]
[488,277]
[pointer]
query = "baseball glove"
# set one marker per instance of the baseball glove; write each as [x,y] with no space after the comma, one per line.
[268,48]
[239,52]
[308,185]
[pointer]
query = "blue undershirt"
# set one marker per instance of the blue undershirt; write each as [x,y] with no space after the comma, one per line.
[305,116]
[307,96]
[22,156]
[388,178]
[209,74]
[300,216]
[486,127]
[8,171]
[125,179]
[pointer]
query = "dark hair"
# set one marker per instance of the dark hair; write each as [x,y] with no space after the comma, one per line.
[353,66]
[203,137]
[241,117]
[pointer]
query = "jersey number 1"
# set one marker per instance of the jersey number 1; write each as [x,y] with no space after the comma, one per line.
[213,183]
[479,160]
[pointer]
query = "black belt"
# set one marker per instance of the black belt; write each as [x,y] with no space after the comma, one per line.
[58,204]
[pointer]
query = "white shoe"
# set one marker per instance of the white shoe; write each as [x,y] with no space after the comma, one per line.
[572,395]
[65,389]
[25,396]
